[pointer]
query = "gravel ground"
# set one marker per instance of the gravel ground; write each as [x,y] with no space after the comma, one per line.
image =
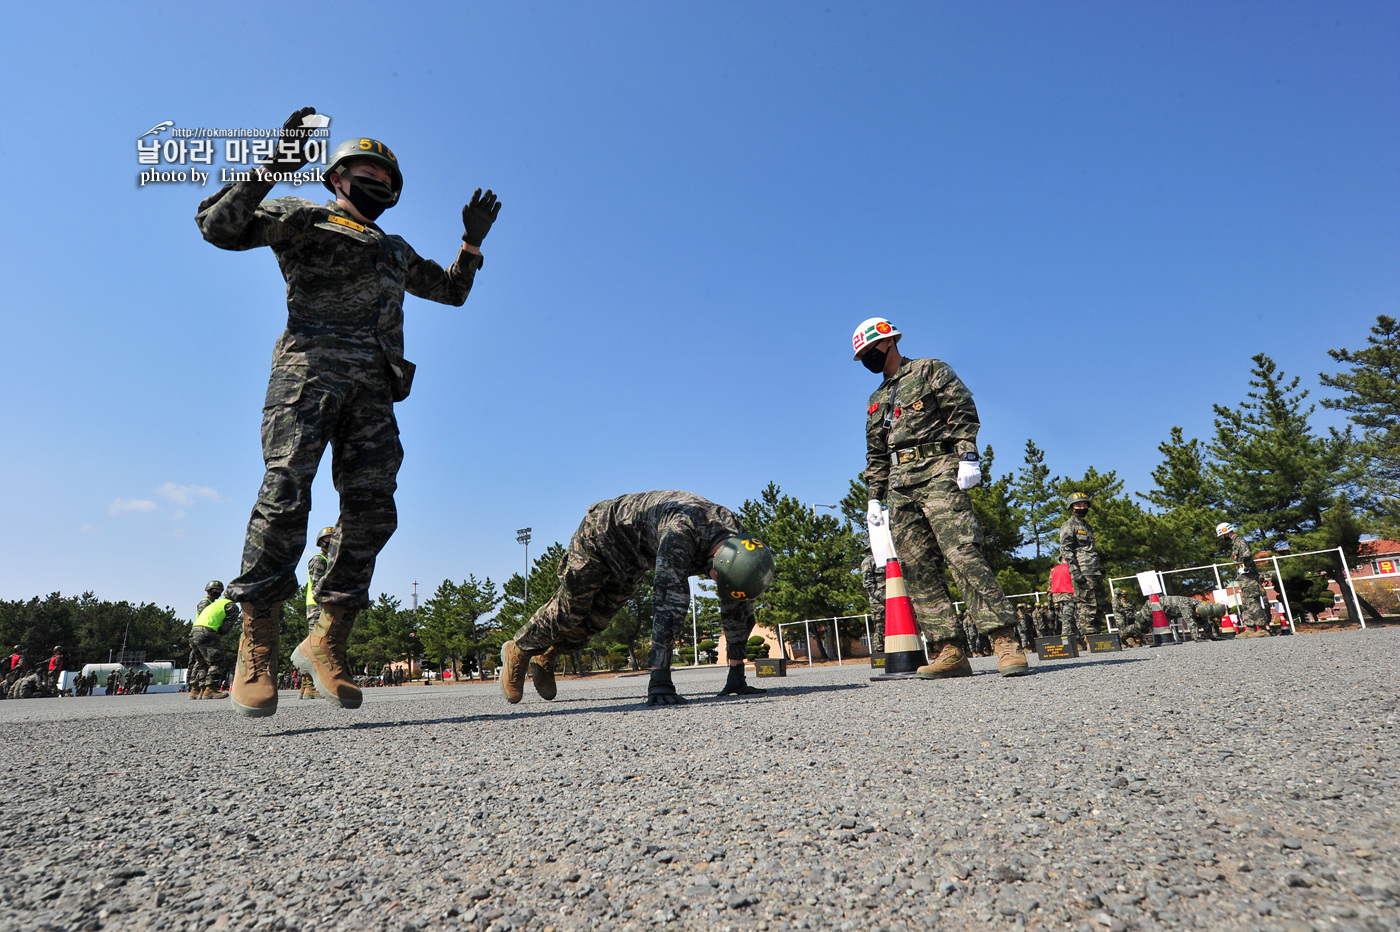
[1244,785]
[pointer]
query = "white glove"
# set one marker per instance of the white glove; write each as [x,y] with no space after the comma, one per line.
[969,474]
[874,514]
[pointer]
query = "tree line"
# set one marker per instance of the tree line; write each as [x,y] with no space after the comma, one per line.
[1266,467]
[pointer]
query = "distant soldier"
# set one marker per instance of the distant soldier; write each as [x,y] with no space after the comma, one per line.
[676,534]
[111,683]
[1079,552]
[1062,596]
[29,687]
[315,571]
[206,671]
[1200,619]
[1026,628]
[872,579]
[55,666]
[17,660]
[1047,624]
[1253,605]
[921,459]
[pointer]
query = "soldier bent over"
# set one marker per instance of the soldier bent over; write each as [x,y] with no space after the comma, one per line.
[921,457]
[678,535]
[336,373]
[206,669]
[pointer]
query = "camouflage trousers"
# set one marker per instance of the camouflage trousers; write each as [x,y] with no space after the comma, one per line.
[872,578]
[206,659]
[592,590]
[1088,607]
[1068,609]
[307,409]
[1252,602]
[933,527]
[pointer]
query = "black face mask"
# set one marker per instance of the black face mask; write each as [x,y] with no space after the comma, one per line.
[874,359]
[371,198]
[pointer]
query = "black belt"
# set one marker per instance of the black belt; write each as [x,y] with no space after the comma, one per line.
[922,452]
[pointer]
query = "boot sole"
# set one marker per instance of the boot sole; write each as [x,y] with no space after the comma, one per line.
[304,664]
[253,711]
[553,687]
[954,673]
[1015,671]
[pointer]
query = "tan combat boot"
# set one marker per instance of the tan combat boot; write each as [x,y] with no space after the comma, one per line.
[1011,661]
[308,689]
[947,662]
[253,688]
[212,693]
[321,657]
[515,664]
[542,672]
[196,693]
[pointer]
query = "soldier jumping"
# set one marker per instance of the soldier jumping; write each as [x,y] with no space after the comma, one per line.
[337,371]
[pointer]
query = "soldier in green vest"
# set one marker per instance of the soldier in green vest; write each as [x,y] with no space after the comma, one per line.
[206,670]
[315,572]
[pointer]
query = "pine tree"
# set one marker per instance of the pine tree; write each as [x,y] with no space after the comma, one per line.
[1001,520]
[1182,532]
[1371,396]
[1032,494]
[1279,479]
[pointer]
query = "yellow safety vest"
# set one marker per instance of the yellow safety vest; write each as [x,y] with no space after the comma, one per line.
[213,615]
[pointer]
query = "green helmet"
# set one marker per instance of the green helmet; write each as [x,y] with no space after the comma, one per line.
[326,534]
[364,148]
[213,585]
[1076,498]
[743,568]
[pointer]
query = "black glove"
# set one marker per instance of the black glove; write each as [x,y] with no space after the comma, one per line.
[292,131]
[661,692]
[736,685]
[478,216]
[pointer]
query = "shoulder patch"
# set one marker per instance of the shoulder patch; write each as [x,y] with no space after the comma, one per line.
[345,222]
[917,406]
[872,409]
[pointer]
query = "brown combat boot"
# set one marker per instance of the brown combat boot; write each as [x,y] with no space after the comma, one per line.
[308,689]
[1011,660]
[212,693]
[515,665]
[948,661]
[253,688]
[321,657]
[196,693]
[542,672]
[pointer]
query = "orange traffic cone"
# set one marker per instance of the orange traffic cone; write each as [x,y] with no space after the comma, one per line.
[1161,628]
[904,653]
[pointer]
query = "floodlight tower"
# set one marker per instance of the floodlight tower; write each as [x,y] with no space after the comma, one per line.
[522,536]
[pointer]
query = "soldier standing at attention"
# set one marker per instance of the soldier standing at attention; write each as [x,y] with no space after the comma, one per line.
[678,535]
[872,578]
[315,572]
[921,457]
[337,372]
[206,670]
[1078,552]
[1252,603]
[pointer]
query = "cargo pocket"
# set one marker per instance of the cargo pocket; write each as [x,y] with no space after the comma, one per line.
[281,432]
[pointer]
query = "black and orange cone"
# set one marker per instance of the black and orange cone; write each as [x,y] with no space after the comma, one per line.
[904,652]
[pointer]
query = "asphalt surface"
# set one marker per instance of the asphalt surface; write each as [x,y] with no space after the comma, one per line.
[1244,785]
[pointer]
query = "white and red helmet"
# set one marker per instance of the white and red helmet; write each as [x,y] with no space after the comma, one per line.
[1223,528]
[870,331]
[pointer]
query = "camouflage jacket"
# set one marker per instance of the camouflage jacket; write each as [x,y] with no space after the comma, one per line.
[671,532]
[1243,555]
[345,279]
[926,403]
[316,571]
[231,611]
[1077,547]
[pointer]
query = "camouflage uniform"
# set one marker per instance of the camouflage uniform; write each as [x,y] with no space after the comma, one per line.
[932,422]
[206,667]
[336,373]
[315,571]
[873,579]
[1252,602]
[1183,610]
[617,542]
[1078,551]
[1046,624]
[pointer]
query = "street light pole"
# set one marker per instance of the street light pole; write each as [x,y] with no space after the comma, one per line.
[522,536]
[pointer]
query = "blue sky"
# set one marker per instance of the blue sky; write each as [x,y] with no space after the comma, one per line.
[1096,212]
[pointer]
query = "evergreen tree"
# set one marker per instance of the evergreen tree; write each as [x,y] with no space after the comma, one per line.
[449,625]
[993,504]
[383,633]
[1371,397]
[544,582]
[1120,526]
[818,559]
[1182,532]
[1277,478]
[1032,494]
